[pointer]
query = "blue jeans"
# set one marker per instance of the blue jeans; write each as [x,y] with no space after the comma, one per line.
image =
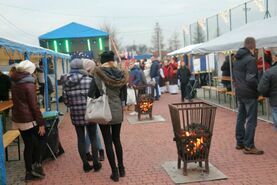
[246,122]
[274,116]
[157,79]
[98,141]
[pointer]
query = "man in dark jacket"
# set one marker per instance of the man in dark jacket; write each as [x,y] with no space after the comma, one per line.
[155,75]
[183,74]
[246,82]
[268,87]
[5,86]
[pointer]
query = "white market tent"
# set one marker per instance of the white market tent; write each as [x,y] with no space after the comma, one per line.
[184,50]
[264,31]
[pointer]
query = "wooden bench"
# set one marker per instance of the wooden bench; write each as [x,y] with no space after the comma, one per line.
[218,90]
[10,137]
[232,93]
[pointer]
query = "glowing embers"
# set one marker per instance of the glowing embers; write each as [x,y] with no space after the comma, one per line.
[196,142]
[145,104]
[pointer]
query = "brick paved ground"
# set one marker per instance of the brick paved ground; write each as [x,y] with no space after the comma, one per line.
[147,146]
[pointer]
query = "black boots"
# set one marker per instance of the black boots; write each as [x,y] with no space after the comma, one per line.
[97,167]
[87,167]
[114,176]
[89,156]
[101,155]
[121,170]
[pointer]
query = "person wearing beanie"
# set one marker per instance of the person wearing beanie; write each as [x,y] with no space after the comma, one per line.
[26,117]
[75,90]
[268,87]
[89,66]
[115,81]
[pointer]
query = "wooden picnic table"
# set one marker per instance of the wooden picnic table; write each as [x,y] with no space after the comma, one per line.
[226,78]
[5,105]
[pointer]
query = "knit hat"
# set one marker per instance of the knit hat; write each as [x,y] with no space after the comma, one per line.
[88,64]
[26,66]
[76,64]
[107,56]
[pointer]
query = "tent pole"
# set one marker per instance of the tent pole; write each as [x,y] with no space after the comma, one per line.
[26,56]
[56,84]
[231,78]
[209,75]
[45,72]
[266,100]
[63,65]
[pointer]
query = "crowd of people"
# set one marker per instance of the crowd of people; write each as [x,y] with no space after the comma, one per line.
[87,79]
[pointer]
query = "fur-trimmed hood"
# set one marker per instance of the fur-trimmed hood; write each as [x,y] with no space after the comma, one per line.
[112,76]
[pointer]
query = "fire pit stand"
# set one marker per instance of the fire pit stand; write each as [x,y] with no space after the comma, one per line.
[192,126]
[145,100]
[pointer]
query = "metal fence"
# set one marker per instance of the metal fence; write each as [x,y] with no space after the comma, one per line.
[227,20]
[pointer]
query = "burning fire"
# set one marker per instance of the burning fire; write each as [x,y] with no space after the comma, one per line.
[193,144]
[145,106]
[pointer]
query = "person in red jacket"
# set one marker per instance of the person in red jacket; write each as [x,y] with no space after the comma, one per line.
[26,117]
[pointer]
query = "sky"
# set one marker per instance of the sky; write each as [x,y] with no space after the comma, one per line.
[134,21]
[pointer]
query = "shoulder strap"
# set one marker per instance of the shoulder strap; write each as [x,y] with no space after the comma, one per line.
[103,87]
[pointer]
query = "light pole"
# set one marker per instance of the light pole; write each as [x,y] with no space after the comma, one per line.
[267,13]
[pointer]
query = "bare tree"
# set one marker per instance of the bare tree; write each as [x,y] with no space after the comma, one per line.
[199,35]
[157,39]
[109,28]
[174,42]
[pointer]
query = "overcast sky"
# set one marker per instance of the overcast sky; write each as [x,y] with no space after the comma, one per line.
[134,19]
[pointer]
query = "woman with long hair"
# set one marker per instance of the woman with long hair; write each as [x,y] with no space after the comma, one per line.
[115,81]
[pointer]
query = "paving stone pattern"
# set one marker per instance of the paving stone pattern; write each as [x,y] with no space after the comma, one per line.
[148,146]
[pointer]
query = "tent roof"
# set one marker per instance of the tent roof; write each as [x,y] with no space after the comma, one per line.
[12,46]
[73,30]
[184,50]
[264,31]
[143,56]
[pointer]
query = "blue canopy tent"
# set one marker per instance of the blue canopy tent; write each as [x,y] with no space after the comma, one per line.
[10,47]
[73,30]
[75,37]
[143,56]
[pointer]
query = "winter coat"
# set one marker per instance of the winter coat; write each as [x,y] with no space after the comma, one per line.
[225,68]
[268,85]
[245,74]
[75,90]
[115,82]
[183,74]
[25,107]
[5,85]
[135,77]
[155,69]
[172,73]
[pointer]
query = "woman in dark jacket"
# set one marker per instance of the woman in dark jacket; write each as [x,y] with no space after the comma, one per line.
[75,90]
[226,71]
[115,82]
[26,117]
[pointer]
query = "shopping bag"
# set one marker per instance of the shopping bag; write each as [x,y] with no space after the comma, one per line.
[173,89]
[131,97]
[98,109]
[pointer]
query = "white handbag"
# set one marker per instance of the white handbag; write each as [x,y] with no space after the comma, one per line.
[131,97]
[98,109]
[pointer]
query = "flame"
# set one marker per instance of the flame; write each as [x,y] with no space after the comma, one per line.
[194,145]
[145,106]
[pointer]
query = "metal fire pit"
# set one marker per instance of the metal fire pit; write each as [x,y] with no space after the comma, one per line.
[193,127]
[145,100]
